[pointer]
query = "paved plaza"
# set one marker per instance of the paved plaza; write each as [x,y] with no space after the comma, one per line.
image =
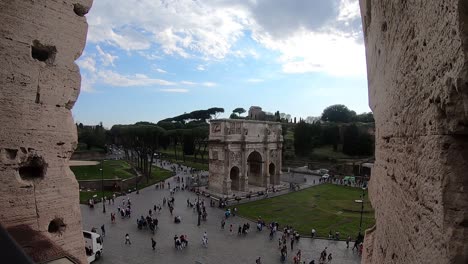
[223,247]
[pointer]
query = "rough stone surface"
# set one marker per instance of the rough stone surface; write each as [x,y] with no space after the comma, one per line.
[418,90]
[243,152]
[39,43]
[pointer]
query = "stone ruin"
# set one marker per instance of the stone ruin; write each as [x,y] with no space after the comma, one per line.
[243,153]
[40,82]
[417,69]
[418,88]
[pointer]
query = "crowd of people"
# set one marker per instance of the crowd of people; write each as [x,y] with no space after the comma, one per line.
[289,237]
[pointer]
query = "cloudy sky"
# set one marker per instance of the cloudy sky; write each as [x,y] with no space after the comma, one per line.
[152,59]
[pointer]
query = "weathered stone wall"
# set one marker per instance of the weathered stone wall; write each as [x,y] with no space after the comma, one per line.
[418,88]
[39,84]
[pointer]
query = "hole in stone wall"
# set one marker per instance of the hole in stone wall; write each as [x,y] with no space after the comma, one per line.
[80,10]
[33,168]
[43,53]
[384,27]
[11,153]
[56,226]
[69,105]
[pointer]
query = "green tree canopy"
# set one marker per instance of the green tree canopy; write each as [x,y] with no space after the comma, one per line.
[338,113]
[365,118]
[239,111]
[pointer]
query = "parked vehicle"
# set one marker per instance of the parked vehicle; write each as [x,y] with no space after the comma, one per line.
[325,176]
[323,171]
[93,245]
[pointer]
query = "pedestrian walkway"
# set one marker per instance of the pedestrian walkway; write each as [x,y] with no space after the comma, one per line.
[223,247]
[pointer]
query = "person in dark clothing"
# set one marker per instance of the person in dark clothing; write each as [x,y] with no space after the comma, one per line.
[153,243]
[292,243]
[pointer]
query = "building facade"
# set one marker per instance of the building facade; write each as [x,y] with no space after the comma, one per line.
[243,153]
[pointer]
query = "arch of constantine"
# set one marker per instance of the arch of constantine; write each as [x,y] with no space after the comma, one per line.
[243,153]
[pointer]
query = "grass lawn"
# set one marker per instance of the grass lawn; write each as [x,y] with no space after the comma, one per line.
[324,207]
[327,151]
[157,175]
[112,169]
[196,165]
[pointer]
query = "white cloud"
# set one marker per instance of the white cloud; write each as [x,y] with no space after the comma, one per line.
[254,80]
[149,56]
[174,90]
[87,83]
[116,79]
[306,51]
[246,53]
[87,63]
[208,84]
[106,58]
[309,35]
[160,70]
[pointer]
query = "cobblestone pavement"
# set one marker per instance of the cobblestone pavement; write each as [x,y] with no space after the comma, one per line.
[223,247]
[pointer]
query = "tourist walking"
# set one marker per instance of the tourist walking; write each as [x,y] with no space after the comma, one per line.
[230,229]
[355,246]
[258,261]
[153,243]
[205,240]
[223,223]
[329,258]
[127,239]
[347,241]
[292,243]
[103,231]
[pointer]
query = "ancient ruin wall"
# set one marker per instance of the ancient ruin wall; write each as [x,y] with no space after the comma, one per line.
[39,84]
[417,65]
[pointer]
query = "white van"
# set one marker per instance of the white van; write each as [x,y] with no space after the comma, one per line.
[93,245]
[323,171]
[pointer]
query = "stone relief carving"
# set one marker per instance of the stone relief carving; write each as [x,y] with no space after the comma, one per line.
[273,154]
[235,128]
[216,128]
[235,157]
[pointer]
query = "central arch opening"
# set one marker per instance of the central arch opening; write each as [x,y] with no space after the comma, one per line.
[234,176]
[255,162]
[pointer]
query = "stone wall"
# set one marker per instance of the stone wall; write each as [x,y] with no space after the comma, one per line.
[117,185]
[39,84]
[418,89]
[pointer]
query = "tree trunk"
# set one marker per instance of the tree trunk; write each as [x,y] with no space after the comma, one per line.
[203,152]
[151,163]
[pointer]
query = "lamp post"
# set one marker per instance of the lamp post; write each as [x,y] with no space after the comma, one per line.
[198,186]
[102,187]
[136,183]
[362,209]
